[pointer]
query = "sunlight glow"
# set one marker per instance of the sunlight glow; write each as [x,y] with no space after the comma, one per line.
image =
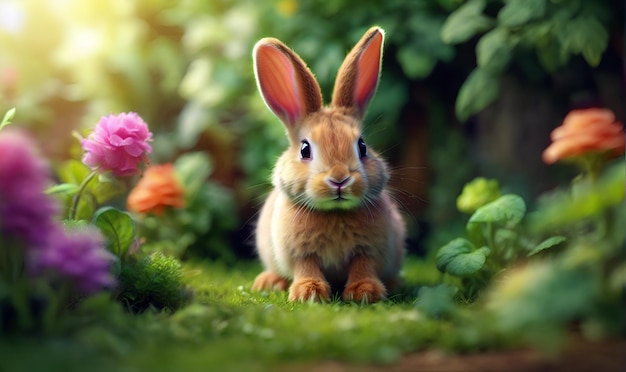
[12,17]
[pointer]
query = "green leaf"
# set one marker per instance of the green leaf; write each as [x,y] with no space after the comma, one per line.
[75,224]
[543,293]
[537,32]
[192,121]
[477,193]
[587,36]
[518,12]
[449,251]
[507,208]
[437,301]
[505,237]
[479,90]
[494,50]
[551,55]
[592,199]
[73,171]
[415,64]
[193,170]
[465,22]
[63,188]
[118,228]
[468,263]
[617,278]
[6,120]
[548,243]
[459,257]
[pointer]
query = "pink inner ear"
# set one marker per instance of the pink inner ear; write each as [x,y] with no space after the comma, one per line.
[277,81]
[368,67]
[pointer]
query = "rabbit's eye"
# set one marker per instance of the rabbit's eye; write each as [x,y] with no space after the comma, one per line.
[305,150]
[362,148]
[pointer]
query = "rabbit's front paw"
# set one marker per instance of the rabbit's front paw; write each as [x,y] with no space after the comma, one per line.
[368,290]
[309,289]
[269,281]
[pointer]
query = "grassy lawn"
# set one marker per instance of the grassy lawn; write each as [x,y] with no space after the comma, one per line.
[230,327]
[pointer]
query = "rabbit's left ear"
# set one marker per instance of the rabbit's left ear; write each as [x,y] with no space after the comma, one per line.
[287,86]
[359,74]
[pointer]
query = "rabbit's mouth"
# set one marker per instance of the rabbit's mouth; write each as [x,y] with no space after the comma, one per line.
[340,195]
[338,202]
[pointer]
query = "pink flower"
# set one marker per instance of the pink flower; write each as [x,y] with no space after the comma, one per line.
[118,144]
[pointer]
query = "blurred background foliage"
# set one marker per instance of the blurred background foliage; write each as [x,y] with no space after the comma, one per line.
[468,88]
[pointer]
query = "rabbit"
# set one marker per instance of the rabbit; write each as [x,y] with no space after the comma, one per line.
[329,221]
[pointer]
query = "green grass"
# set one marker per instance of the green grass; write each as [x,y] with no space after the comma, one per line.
[229,327]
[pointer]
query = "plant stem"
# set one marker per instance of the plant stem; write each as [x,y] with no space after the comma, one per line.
[76,199]
[592,166]
[11,263]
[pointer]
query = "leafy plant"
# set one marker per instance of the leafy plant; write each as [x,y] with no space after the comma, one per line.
[584,201]
[144,280]
[197,228]
[495,237]
[8,116]
[583,282]
[553,30]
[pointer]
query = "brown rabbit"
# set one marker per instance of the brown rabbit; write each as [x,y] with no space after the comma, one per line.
[329,219]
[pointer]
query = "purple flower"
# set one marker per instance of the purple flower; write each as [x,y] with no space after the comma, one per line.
[26,213]
[78,255]
[27,217]
[118,144]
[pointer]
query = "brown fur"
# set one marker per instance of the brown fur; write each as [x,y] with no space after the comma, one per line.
[311,232]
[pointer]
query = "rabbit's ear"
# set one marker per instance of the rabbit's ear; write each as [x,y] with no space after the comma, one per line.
[359,74]
[286,84]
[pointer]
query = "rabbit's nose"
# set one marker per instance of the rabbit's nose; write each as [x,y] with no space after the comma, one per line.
[338,184]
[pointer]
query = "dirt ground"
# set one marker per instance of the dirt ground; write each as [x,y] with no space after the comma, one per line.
[580,356]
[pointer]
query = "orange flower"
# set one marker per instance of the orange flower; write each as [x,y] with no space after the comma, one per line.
[584,131]
[157,189]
